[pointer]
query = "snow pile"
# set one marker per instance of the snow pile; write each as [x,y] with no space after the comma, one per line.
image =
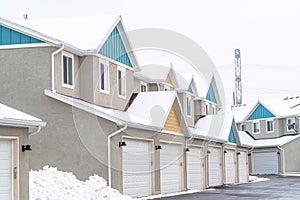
[51,184]
[255,179]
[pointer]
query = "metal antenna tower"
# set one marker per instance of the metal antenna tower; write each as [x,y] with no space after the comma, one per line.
[238,78]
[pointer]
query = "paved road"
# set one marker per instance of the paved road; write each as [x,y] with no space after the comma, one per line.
[277,188]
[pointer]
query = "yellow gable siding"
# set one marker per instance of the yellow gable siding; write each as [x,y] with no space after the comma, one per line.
[172,123]
[168,80]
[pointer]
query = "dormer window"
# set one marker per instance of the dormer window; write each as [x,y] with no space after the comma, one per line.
[143,87]
[256,127]
[104,78]
[121,82]
[68,70]
[270,126]
[188,106]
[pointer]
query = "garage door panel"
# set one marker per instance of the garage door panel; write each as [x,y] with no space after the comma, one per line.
[136,168]
[230,167]
[170,169]
[265,162]
[5,170]
[194,166]
[214,167]
[243,172]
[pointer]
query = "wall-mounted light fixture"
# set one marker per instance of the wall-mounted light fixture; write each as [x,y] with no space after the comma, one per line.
[225,151]
[26,147]
[157,147]
[208,151]
[187,149]
[238,153]
[249,154]
[122,144]
[278,153]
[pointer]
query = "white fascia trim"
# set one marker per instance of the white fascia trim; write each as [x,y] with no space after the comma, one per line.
[21,123]
[208,138]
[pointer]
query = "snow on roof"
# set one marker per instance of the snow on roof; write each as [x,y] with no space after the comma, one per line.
[214,126]
[153,73]
[12,116]
[81,32]
[148,111]
[289,106]
[246,139]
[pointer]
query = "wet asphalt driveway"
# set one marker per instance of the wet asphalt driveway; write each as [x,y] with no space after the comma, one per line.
[277,188]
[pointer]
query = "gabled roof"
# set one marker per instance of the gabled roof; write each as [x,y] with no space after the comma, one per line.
[281,108]
[153,73]
[148,111]
[246,139]
[192,88]
[212,92]
[84,35]
[12,117]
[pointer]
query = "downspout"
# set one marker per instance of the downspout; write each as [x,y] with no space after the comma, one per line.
[158,87]
[35,132]
[283,158]
[108,151]
[250,153]
[52,66]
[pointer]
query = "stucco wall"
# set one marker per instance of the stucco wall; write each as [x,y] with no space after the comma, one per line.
[22,135]
[292,157]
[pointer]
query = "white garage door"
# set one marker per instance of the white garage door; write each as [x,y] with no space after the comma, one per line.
[214,166]
[137,168]
[194,162]
[5,170]
[170,169]
[265,162]
[230,171]
[243,172]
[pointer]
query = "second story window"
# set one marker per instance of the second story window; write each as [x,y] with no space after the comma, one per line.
[291,124]
[256,127]
[243,127]
[121,82]
[68,70]
[270,126]
[188,106]
[104,78]
[143,87]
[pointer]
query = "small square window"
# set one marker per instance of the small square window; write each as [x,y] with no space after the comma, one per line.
[291,124]
[256,127]
[270,126]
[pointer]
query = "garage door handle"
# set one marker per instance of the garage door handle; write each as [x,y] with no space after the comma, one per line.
[15,172]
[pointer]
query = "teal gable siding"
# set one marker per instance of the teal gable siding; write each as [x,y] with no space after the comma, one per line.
[211,94]
[231,137]
[9,36]
[260,112]
[190,89]
[115,49]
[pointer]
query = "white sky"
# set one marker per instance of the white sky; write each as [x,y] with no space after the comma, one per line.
[266,31]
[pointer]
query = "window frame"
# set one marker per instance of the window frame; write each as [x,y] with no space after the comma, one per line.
[100,78]
[123,70]
[270,120]
[143,84]
[287,124]
[253,130]
[188,106]
[243,125]
[68,55]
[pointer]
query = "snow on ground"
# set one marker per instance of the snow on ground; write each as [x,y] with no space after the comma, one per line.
[255,179]
[170,195]
[51,184]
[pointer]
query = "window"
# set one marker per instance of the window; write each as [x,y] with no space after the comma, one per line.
[256,127]
[104,78]
[270,126]
[206,109]
[291,124]
[143,87]
[121,82]
[68,70]
[188,106]
[243,127]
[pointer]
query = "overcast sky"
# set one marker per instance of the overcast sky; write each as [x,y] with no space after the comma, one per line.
[266,31]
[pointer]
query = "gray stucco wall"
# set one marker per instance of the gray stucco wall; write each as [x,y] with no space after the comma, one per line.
[25,75]
[22,134]
[292,157]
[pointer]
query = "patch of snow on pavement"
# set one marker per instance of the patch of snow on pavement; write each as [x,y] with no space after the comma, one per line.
[51,184]
[255,179]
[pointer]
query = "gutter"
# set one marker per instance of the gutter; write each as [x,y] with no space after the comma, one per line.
[38,129]
[283,159]
[108,151]
[52,66]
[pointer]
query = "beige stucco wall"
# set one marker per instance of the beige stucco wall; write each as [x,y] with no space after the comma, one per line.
[291,156]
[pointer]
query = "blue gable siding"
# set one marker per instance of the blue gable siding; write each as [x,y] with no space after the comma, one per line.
[260,112]
[190,89]
[9,36]
[211,94]
[115,49]
[231,137]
